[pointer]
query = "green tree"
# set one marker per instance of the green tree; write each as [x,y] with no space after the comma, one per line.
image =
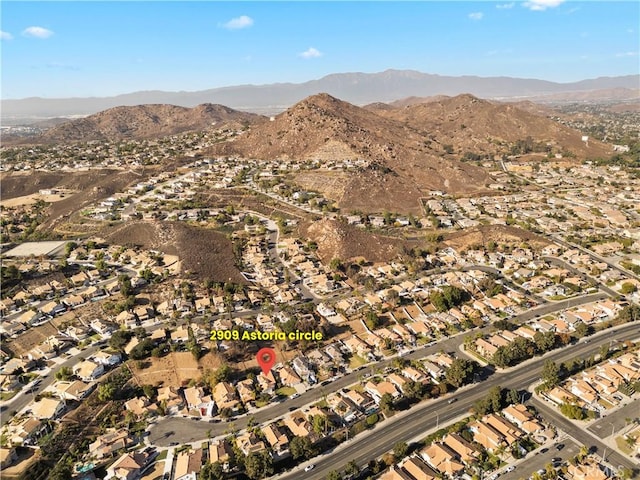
[386,402]
[211,471]
[119,339]
[495,398]
[125,285]
[301,447]
[65,373]
[413,390]
[400,450]
[627,288]
[460,372]
[550,373]
[544,341]
[106,392]
[258,465]
[371,319]
[334,475]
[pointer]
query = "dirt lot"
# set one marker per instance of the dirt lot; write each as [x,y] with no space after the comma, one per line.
[30,200]
[339,240]
[204,253]
[175,369]
[26,457]
[499,234]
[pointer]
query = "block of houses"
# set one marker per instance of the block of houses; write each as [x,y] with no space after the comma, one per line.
[508,430]
[464,449]
[26,430]
[419,470]
[487,436]
[70,390]
[126,318]
[9,383]
[267,382]
[362,401]
[289,377]
[140,406]
[53,308]
[246,392]
[106,358]
[520,416]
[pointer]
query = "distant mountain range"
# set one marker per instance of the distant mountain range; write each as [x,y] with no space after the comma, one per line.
[356,88]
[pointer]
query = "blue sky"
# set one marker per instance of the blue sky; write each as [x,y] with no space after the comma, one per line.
[85,48]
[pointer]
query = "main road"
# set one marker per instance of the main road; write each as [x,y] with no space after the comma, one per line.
[179,429]
[427,415]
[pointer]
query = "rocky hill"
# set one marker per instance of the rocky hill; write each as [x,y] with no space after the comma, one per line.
[470,124]
[402,163]
[144,122]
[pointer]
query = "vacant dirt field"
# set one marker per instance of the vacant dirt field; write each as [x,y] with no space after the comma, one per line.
[339,240]
[204,253]
[499,234]
[174,369]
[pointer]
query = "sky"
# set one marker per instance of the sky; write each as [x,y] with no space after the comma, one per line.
[86,48]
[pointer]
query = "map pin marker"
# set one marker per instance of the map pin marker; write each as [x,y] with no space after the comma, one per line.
[266,358]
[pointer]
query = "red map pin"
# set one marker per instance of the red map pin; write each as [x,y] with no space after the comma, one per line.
[266,358]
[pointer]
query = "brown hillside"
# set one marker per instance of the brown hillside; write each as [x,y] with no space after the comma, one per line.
[144,121]
[339,240]
[405,102]
[474,125]
[500,234]
[204,253]
[402,166]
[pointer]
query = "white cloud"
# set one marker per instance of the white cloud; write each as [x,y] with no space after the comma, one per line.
[237,23]
[627,54]
[37,32]
[541,5]
[311,53]
[5,35]
[476,15]
[505,6]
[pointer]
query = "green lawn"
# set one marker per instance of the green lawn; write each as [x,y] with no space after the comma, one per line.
[356,361]
[8,395]
[286,391]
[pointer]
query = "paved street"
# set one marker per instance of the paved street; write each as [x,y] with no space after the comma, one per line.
[423,418]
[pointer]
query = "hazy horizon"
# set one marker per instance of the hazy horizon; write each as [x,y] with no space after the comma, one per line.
[101,49]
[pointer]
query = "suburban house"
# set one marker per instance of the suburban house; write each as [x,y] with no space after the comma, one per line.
[199,402]
[88,371]
[188,464]
[127,467]
[109,443]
